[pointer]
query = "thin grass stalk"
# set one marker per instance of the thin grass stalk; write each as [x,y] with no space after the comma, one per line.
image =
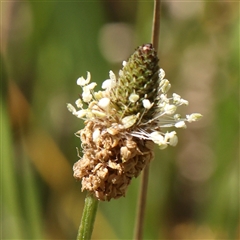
[88,218]
[141,205]
[156,24]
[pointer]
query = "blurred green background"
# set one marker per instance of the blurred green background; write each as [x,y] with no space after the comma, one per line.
[45,46]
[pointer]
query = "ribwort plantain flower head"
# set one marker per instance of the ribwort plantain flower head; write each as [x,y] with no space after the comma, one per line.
[123,121]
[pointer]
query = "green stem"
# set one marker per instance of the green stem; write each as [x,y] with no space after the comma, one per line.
[88,218]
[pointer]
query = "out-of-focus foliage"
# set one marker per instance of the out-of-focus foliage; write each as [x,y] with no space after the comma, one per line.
[193,188]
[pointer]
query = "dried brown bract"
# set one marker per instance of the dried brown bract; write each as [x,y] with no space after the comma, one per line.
[110,161]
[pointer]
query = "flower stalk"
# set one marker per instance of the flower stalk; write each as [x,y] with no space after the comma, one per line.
[123,122]
[88,218]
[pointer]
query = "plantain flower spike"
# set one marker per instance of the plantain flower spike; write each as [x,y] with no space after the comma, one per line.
[123,122]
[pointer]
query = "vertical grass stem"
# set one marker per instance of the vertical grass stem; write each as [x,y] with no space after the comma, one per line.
[88,218]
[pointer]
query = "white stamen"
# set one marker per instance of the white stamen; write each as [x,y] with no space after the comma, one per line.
[161,73]
[104,103]
[180,124]
[129,121]
[71,108]
[91,86]
[106,84]
[124,63]
[112,75]
[177,117]
[133,97]
[194,117]
[81,113]
[82,81]
[171,138]
[86,95]
[170,109]
[165,85]
[79,103]
[147,104]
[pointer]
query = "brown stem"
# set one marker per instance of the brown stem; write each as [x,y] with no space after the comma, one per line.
[138,234]
[156,24]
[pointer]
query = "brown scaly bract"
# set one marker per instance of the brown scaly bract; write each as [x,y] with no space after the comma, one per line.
[110,162]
